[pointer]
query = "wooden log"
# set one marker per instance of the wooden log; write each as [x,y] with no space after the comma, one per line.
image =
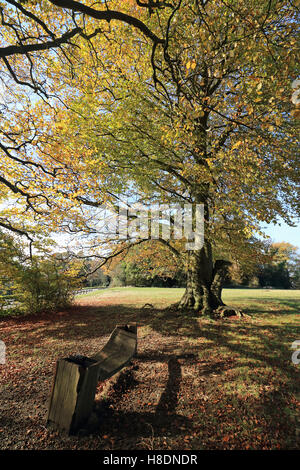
[73,394]
[133,328]
[117,352]
[76,379]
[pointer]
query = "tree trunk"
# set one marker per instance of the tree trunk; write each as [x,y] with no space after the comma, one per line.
[204,281]
[219,275]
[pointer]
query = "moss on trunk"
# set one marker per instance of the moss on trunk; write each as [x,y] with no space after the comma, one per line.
[204,281]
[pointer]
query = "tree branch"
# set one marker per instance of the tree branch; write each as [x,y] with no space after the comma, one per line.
[108,15]
[25,48]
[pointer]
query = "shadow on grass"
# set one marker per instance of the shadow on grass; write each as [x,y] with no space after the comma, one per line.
[265,307]
[225,345]
[268,343]
[133,426]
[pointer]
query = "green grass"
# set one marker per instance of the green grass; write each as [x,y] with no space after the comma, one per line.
[260,301]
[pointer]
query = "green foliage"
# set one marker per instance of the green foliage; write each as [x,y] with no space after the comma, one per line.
[118,277]
[91,276]
[128,273]
[289,256]
[32,285]
[98,279]
[275,275]
[277,266]
[282,268]
[45,285]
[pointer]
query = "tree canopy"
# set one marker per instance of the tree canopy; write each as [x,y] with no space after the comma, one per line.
[171,101]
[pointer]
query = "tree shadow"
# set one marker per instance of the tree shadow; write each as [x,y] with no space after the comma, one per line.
[132,426]
[269,348]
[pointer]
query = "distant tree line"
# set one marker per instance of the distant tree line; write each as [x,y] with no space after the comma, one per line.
[47,281]
[141,267]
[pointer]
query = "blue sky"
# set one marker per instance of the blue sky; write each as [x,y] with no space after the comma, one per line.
[283,233]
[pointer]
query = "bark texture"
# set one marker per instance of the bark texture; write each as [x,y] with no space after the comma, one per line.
[204,281]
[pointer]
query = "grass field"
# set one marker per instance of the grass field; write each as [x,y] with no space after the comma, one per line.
[161,297]
[196,383]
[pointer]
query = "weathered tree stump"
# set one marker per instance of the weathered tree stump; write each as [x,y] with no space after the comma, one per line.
[76,379]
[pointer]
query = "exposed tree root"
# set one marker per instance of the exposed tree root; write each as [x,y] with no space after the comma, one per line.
[223,311]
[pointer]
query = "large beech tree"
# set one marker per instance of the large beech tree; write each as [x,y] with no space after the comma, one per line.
[185,101]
